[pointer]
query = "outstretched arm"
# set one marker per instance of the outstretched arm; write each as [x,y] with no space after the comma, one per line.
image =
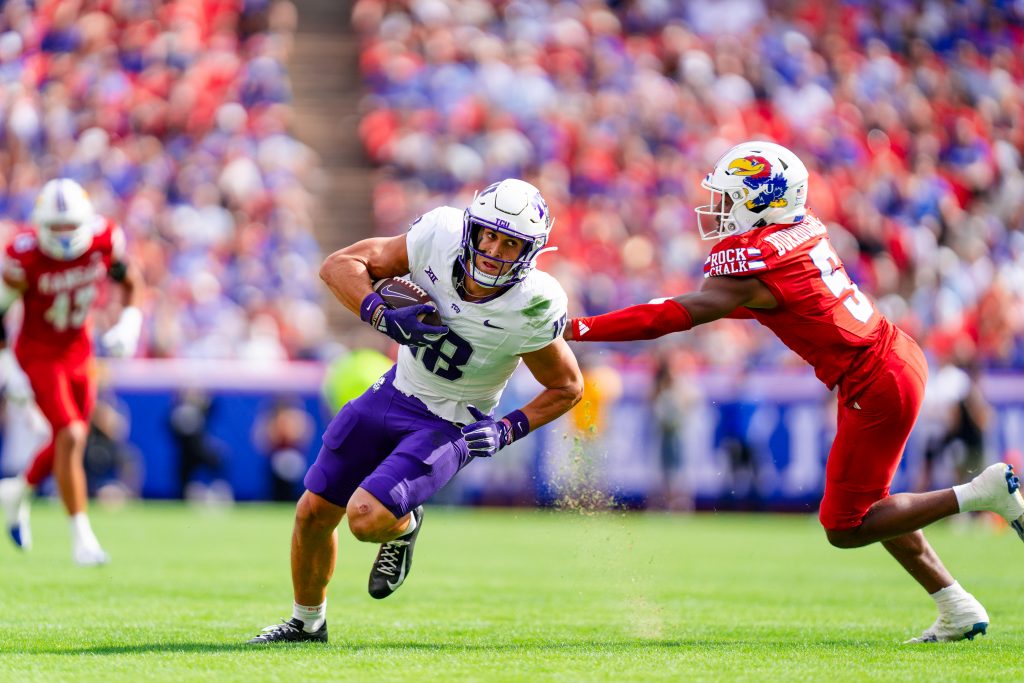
[718,298]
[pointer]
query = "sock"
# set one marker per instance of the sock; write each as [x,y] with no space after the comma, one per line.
[22,484]
[412,526]
[966,498]
[949,596]
[81,530]
[312,618]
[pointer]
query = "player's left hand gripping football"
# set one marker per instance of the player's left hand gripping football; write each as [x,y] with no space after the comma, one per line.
[122,339]
[401,324]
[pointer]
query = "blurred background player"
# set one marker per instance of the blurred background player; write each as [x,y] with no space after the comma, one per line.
[388,451]
[113,465]
[56,269]
[774,262]
[26,431]
[202,458]
[282,433]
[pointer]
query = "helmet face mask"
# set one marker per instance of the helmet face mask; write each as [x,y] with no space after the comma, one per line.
[512,208]
[64,217]
[754,184]
[714,219]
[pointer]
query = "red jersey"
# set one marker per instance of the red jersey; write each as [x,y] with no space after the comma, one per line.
[821,315]
[58,295]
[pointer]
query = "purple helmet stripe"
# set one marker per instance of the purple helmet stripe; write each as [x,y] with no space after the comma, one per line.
[62,204]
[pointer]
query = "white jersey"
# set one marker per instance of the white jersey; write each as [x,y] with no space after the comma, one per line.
[473,363]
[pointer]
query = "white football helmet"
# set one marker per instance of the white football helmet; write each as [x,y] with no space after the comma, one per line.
[754,184]
[512,207]
[64,202]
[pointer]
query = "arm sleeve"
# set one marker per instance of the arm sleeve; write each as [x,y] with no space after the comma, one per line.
[644,321]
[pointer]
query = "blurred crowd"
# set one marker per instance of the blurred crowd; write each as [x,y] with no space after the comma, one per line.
[175,115]
[909,114]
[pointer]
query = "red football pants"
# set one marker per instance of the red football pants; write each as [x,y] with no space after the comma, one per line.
[871,435]
[64,394]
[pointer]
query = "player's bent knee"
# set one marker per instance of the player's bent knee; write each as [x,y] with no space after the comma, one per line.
[364,529]
[74,434]
[843,538]
[373,528]
[313,512]
[368,520]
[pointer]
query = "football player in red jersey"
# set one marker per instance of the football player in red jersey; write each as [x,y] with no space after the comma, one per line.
[55,270]
[774,262]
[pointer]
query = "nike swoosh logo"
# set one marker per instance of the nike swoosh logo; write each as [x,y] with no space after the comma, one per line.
[487,323]
[404,333]
[398,295]
[401,577]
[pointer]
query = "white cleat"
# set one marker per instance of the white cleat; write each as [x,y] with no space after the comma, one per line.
[997,489]
[968,620]
[14,501]
[87,555]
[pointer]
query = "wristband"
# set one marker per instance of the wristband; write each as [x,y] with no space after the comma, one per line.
[516,427]
[643,321]
[372,309]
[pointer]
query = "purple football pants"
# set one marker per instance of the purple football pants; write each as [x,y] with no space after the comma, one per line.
[389,444]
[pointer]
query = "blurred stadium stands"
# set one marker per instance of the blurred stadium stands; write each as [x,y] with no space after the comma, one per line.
[909,115]
[175,116]
[230,140]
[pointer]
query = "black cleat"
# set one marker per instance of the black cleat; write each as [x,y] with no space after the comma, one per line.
[290,631]
[394,561]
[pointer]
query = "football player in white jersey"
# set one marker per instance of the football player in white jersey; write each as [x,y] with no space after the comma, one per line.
[386,452]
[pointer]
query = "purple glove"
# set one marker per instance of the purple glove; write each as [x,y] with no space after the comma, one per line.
[485,437]
[401,324]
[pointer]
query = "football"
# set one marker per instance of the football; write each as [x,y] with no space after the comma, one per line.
[398,292]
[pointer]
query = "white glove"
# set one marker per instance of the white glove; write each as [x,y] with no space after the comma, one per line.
[123,338]
[17,388]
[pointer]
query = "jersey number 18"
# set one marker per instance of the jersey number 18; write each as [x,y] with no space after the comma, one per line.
[446,356]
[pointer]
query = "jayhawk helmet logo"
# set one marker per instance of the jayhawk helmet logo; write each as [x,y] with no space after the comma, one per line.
[753,166]
[756,172]
[753,184]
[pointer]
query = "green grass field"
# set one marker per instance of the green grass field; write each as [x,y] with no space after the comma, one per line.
[512,595]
